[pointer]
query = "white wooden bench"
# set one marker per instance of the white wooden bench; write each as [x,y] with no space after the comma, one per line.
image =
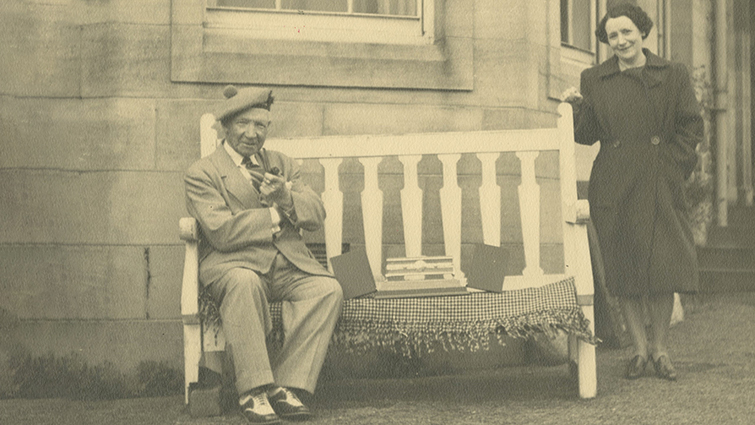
[370,150]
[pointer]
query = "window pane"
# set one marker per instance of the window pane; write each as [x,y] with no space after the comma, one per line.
[581,24]
[316,5]
[565,21]
[256,4]
[386,7]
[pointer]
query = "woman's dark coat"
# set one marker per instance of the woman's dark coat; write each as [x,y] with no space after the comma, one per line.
[648,122]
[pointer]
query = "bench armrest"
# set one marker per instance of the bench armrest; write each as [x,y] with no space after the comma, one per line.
[581,211]
[188,229]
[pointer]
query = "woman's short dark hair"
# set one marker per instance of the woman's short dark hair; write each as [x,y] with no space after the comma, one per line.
[635,13]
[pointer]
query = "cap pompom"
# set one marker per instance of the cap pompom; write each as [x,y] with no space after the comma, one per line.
[230,91]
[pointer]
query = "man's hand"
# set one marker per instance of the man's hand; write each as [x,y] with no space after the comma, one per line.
[275,190]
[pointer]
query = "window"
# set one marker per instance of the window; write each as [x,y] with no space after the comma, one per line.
[577,24]
[323,43]
[346,21]
[380,7]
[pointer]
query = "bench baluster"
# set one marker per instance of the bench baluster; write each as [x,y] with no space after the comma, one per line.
[450,201]
[411,206]
[372,214]
[529,207]
[332,198]
[490,200]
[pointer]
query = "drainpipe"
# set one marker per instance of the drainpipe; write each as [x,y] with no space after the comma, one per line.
[746,115]
[722,115]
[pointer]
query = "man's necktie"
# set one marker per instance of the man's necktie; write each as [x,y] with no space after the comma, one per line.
[255,171]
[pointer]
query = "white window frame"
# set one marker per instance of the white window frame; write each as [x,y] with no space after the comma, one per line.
[349,27]
[577,54]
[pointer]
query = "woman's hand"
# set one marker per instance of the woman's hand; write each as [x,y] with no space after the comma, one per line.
[572,95]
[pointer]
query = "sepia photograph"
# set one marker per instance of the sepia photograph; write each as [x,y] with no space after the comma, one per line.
[377,212]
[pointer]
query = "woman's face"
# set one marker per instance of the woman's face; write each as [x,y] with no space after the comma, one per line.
[624,38]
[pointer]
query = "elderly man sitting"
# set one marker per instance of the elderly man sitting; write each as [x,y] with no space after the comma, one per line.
[250,205]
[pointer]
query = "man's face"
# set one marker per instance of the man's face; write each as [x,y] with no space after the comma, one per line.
[246,132]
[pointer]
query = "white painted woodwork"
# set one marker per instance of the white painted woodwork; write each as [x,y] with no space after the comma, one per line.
[192,355]
[450,204]
[370,150]
[332,198]
[188,232]
[411,206]
[490,200]
[360,146]
[514,282]
[372,214]
[576,248]
[207,134]
[529,211]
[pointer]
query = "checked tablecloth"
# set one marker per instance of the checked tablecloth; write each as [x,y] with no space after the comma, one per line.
[413,326]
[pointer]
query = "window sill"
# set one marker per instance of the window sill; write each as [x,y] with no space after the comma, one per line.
[202,53]
[577,55]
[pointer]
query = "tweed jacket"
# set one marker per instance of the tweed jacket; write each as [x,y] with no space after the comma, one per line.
[236,228]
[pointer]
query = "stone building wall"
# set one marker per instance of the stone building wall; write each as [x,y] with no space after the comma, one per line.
[95,134]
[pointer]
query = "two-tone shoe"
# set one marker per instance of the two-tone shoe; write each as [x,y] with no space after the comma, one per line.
[256,409]
[288,406]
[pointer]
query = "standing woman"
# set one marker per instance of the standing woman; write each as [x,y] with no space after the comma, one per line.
[643,110]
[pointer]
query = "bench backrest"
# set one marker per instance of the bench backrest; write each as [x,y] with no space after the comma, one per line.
[449,147]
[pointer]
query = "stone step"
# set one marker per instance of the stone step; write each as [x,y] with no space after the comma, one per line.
[723,258]
[741,216]
[731,237]
[727,280]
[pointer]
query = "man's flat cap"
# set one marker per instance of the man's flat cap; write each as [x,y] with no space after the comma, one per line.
[238,100]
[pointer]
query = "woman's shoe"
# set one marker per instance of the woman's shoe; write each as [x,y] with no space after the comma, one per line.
[636,367]
[664,368]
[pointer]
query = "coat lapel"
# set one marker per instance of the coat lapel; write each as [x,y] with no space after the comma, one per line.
[656,69]
[235,182]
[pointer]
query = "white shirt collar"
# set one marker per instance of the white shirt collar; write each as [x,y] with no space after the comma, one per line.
[235,156]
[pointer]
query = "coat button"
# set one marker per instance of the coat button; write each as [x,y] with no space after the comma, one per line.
[655,140]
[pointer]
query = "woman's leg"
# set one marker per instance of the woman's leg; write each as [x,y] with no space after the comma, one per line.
[660,307]
[635,318]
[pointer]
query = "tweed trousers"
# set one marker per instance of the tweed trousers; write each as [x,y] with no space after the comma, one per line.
[310,308]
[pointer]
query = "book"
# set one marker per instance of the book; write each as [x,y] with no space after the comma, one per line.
[488,268]
[416,293]
[415,285]
[352,270]
[419,277]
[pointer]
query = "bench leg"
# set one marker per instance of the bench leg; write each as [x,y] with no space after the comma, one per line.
[573,345]
[192,354]
[586,362]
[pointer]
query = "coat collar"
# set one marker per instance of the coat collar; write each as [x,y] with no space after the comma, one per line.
[654,68]
[234,179]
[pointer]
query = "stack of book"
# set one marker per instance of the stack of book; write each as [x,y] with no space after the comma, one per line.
[419,277]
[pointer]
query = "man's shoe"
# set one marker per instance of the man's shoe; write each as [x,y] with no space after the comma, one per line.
[288,406]
[257,410]
[664,369]
[636,367]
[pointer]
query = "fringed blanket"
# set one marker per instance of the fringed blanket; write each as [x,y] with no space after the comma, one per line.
[413,326]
